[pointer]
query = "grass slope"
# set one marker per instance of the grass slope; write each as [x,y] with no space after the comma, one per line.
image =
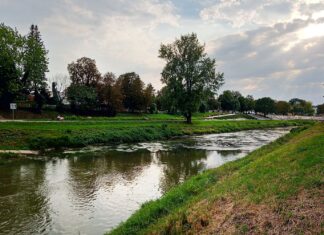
[275,189]
[41,135]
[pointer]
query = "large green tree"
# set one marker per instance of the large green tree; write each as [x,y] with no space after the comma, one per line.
[282,107]
[109,94]
[132,88]
[35,67]
[84,72]
[229,101]
[301,107]
[265,105]
[11,61]
[35,62]
[189,73]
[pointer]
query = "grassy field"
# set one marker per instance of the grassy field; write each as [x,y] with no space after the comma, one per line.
[275,189]
[51,115]
[236,116]
[79,133]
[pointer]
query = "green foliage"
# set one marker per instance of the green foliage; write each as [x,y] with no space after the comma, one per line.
[246,103]
[189,74]
[109,94]
[35,62]
[265,105]
[301,107]
[11,60]
[165,102]
[229,101]
[213,104]
[282,107]
[82,96]
[320,109]
[132,88]
[153,108]
[203,108]
[149,96]
[84,72]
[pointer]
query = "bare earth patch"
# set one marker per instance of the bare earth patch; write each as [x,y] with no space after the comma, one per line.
[303,214]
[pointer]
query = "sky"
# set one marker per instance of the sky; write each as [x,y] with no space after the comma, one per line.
[264,47]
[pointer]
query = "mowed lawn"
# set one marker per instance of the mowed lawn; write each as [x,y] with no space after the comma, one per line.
[82,132]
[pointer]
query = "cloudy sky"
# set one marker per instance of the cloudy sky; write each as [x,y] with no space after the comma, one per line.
[265,47]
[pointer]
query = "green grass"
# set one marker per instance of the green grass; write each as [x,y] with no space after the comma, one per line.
[41,135]
[269,175]
[235,116]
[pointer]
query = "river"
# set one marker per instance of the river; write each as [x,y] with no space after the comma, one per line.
[90,191]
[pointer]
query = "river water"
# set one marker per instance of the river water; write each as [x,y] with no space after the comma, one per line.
[91,191]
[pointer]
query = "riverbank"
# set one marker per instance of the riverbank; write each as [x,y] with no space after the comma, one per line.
[277,188]
[34,135]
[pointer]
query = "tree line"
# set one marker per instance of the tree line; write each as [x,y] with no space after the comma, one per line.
[90,91]
[234,101]
[189,76]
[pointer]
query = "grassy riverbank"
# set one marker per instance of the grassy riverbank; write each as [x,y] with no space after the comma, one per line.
[42,135]
[277,188]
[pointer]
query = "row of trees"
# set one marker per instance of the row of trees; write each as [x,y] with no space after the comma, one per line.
[23,64]
[234,101]
[90,91]
[190,79]
[189,76]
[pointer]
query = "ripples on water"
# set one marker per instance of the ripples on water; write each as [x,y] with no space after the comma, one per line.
[94,189]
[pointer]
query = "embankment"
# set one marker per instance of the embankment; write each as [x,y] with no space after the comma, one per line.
[278,188]
[44,135]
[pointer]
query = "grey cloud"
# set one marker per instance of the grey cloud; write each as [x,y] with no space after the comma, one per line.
[266,68]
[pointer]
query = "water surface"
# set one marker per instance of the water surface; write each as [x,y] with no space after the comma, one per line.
[92,191]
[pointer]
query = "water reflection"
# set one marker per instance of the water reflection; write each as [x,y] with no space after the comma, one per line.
[91,192]
[179,165]
[23,199]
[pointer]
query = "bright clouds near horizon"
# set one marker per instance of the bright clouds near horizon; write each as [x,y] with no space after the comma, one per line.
[265,47]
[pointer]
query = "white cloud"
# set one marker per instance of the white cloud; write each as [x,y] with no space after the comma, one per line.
[251,13]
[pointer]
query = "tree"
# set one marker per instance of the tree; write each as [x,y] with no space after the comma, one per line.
[297,106]
[229,101]
[320,109]
[250,103]
[148,96]
[84,72]
[282,107]
[81,96]
[265,105]
[11,61]
[132,89]
[35,63]
[308,108]
[243,104]
[165,102]
[109,94]
[213,103]
[301,107]
[203,108]
[189,73]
